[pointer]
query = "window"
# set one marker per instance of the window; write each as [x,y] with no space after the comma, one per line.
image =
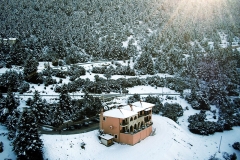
[115,136]
[104,118]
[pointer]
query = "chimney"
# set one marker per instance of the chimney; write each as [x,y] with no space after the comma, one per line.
[140,102]
[131,107]
[101,118]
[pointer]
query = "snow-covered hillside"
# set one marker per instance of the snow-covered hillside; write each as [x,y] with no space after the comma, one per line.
[171,141]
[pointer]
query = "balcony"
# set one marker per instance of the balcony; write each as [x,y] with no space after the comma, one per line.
[123,124]
[149,123]
[136,130]
[147,114]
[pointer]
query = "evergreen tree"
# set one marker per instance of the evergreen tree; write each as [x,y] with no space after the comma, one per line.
[17,53]
[57,116]
[65,103]
[11,102]
[27,145]
[134,98]
[30,70]
[39,108]
[145,64]
[155,100]
[11,124]
[92,105]
[108,74]
[36,97]
[10,80]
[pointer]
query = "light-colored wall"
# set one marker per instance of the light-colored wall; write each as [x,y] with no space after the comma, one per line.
[104,141]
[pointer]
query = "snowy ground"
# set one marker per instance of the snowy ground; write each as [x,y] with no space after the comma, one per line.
[170,142]
[149,89]
[7,148]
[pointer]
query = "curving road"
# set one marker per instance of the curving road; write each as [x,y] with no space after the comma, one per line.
[89,128]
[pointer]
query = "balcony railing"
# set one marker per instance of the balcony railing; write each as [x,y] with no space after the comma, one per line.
[149,123]
[139,129]
[124,124]
[147,114]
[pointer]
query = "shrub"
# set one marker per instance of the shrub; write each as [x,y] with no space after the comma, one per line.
[134,98]
[125,91]
[172,111]
[10,79]
[1,147]
[155,100]
[61,63]
[24,87]
[55,62]
[59,73]
[198,101]
[29,102]
[203,128]
[48,81]
[100,70]
[236,146]
[198,124]
[229,157]
[57,89]
[76,71]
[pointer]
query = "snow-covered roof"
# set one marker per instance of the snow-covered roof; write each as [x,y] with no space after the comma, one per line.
[134,108]
[106,136]
[148,109]
[12,39]
[126,111]
[119,113]
[143,105]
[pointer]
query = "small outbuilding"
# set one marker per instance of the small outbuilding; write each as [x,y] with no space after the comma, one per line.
[106,139]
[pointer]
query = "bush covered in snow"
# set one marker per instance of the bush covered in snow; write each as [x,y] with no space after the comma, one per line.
[11,79]
[228,156]
[236,146]
[76,71]
[119,70]
[172,111]
[24,87]
[134,98]
[155,100]
[229,113]
[198,100]
[199,125]
[1,147]
[99,70]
